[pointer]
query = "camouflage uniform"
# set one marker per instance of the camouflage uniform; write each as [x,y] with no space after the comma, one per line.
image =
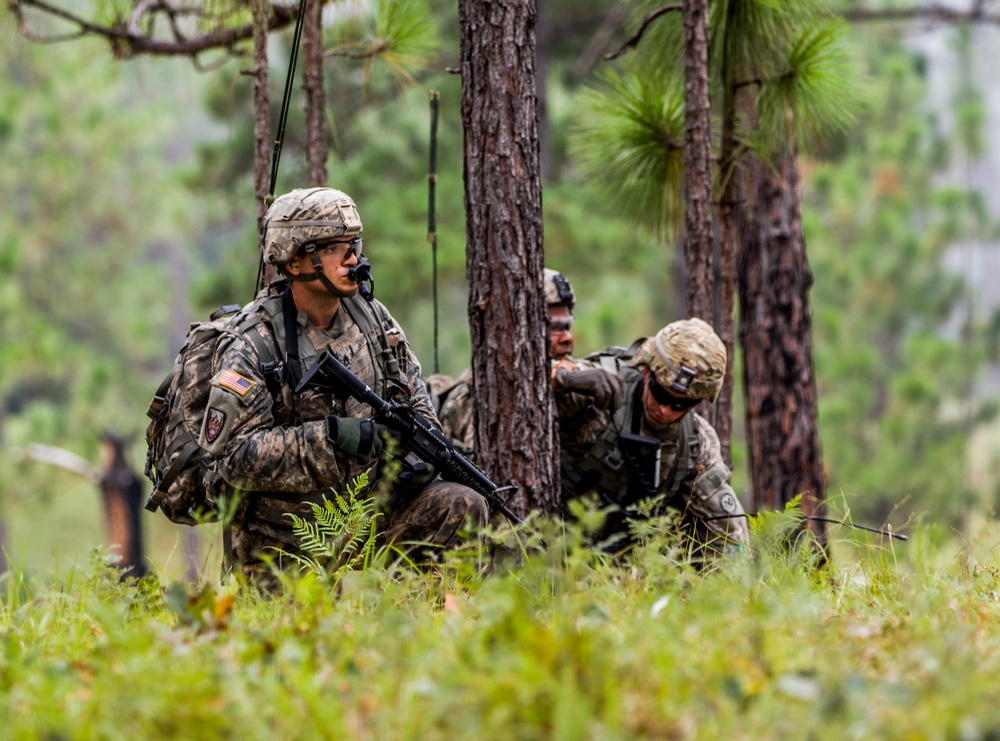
[452,397]
[272,444]
[694,479]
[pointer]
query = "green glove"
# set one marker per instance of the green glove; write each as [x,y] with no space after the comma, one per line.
[600,385]
[415,474]
[360,438]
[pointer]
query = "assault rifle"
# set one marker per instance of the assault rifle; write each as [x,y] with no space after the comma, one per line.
[642,454]
[416,434]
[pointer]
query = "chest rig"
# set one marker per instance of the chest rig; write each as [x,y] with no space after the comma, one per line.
[282,374]
[605,466]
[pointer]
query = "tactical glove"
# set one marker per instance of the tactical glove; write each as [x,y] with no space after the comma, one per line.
[415,474]
[361,438]
[600,385]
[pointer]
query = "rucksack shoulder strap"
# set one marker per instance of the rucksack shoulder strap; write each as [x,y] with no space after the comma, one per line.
[265,341]
[686,462]
[289,317]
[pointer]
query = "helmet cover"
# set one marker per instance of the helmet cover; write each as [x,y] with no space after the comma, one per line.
[558,291]
[306,215]
[687,358]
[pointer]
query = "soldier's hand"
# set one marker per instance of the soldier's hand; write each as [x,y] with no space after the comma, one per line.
[600,385]
[415,473]
[361,438]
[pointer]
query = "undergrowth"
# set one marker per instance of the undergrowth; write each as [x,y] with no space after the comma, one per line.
[561,642]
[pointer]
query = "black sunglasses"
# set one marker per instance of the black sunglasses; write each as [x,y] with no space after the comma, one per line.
[665,398]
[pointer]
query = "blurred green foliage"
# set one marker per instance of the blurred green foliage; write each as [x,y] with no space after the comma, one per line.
[896,390]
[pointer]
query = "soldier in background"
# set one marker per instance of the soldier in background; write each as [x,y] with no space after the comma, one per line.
[651,451]
[453,397]
[285,451]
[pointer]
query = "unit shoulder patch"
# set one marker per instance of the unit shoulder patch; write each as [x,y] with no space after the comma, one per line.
[215,421]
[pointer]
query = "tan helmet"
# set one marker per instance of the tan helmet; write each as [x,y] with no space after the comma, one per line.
[305,215]
[558,291]
[687,358]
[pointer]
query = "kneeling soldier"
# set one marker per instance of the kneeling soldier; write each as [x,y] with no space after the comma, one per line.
[651,451]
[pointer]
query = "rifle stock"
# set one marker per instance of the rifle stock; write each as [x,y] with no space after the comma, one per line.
[416,434]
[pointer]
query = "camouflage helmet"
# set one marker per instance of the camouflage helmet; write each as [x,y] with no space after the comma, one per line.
[305,215]
[687,358]
[558,291]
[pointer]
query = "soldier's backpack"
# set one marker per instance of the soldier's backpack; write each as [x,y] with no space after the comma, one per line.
[185,484]
[614,357]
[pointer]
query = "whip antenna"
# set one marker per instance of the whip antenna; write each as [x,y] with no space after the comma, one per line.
[435,99]
[282,119]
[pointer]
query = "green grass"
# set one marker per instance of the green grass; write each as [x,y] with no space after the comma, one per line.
[888,642]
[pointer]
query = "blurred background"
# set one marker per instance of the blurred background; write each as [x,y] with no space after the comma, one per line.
[127,212]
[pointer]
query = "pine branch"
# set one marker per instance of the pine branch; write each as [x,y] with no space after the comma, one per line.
[934,13]
[58,457]
[635,38]
[128,40]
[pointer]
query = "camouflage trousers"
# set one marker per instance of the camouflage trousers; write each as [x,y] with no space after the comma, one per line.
[417,523]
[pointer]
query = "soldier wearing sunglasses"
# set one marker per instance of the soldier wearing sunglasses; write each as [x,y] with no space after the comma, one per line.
[652,452]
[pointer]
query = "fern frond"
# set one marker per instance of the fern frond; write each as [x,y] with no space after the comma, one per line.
[305,564]
[341,532]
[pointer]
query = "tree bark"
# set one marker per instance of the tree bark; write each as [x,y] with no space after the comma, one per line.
[776,336]
[317,146]
[515,423]
[261,108]
[731,220]
[544,31]
[122,493]
[697,162]
[730,230]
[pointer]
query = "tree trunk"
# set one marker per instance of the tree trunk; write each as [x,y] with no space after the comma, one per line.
[543,44]
[122,493]
[515,423]
[776,336]
[261,109]
[730,230]
[312,83]
[731,218]
[697,162]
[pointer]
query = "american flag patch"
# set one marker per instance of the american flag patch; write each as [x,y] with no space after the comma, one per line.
[234,382]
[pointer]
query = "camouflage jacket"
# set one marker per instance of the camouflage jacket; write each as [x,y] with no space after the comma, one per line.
[452,400]
[694,479]
[273,446]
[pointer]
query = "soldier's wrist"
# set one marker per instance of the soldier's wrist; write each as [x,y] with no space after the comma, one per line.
[559,369]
